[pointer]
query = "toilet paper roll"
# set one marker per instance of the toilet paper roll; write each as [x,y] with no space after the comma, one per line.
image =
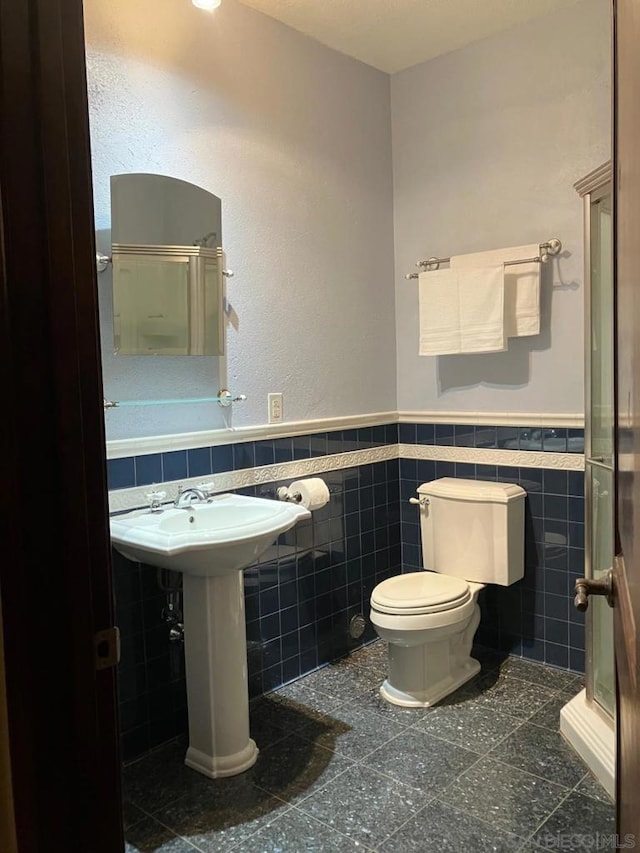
[313,492]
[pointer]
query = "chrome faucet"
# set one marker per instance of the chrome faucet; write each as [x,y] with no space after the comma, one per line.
[186,498]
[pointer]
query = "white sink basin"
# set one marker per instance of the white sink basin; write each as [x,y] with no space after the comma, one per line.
[226,534]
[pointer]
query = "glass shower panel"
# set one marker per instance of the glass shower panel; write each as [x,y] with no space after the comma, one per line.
[602,423]
[601,487]
[600,481]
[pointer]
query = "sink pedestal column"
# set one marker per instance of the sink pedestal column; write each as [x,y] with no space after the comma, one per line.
[216,669]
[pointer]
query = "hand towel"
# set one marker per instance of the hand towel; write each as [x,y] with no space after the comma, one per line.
[461,311]
[521,286]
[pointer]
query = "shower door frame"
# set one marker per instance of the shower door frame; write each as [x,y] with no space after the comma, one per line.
[593,187]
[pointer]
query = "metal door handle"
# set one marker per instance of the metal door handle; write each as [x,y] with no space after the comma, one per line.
[586,587]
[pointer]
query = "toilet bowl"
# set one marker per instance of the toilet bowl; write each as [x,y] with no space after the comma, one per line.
[429,621]
[475,530]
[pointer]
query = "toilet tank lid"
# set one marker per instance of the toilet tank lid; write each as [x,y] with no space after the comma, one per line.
[472,490]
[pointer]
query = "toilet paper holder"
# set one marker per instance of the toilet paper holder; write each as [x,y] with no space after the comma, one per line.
[284,493]
[311,492]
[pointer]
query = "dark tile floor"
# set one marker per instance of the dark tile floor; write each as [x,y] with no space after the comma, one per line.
[339,769]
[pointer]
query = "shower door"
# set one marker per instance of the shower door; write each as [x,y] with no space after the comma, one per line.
[599,436]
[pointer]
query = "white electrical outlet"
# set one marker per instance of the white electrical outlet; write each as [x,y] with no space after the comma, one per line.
[276,411]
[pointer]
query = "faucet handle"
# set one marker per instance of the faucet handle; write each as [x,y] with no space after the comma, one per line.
[155,500]
[207,487]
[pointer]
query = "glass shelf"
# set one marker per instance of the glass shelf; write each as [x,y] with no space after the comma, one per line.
[225,398]
[121,404]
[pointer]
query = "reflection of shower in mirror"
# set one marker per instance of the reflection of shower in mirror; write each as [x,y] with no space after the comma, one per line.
[168,289]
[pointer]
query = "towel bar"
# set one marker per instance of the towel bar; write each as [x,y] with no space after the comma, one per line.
[551,247]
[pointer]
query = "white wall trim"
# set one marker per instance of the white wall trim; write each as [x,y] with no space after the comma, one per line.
[209,438]
[124,499]
[489,456]
[494,419]
[592,734]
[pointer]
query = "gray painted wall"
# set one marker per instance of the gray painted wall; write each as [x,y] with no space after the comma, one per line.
[296,140]
[487,143]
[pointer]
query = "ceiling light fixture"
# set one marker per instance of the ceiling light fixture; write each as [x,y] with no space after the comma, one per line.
[207,5]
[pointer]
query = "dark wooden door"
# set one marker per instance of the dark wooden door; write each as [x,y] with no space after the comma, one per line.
[627,290]
[55,586]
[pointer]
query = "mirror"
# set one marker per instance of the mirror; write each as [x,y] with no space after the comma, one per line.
[167,267]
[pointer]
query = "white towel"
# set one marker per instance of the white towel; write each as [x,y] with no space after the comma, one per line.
[462,312]
[521,286]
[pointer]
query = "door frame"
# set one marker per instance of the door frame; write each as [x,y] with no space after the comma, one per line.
[55,581]
[626,573]
[8,840]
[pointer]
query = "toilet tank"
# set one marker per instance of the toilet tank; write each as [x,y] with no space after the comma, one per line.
[473,529]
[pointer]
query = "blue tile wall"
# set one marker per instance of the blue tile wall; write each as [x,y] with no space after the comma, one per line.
[300,597]
[151,675]
[553,440]
[204,461]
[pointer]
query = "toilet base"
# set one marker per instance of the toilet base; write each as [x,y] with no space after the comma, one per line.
[428,697]
[426,664]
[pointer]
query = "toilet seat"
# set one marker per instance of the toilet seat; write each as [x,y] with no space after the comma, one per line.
[420,593]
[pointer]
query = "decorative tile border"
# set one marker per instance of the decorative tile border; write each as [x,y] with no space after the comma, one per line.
[127,499]
[489,456]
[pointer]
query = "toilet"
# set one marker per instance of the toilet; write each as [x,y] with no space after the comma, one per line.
[472,535]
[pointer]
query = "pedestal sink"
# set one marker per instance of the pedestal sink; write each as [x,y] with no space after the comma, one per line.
[210,543]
